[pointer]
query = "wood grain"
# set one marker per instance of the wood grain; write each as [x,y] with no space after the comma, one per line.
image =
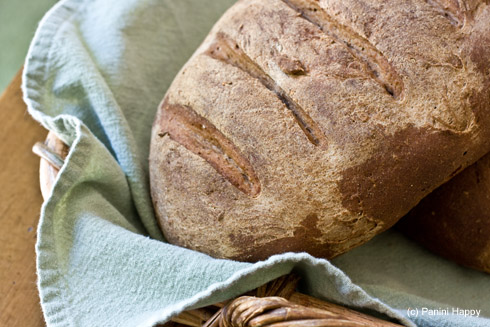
[20,203]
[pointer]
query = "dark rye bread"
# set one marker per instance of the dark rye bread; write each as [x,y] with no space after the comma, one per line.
[454,220]
[315,125]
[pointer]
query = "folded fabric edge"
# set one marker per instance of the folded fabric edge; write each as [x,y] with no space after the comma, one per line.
[287,261]
[35,66]
[50,282]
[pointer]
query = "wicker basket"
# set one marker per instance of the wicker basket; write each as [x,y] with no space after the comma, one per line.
[274,304]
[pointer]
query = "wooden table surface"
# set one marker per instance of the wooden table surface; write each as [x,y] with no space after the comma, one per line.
[20,203]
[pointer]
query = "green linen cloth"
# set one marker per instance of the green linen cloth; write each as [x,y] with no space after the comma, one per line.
[95,73]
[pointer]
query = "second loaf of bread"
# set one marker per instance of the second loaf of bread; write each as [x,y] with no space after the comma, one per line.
[315,125]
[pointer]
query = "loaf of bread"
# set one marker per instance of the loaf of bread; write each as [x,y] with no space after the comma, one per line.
[454,220]
[306,125]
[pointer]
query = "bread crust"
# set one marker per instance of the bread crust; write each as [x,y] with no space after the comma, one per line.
[348,113]
[454,220]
